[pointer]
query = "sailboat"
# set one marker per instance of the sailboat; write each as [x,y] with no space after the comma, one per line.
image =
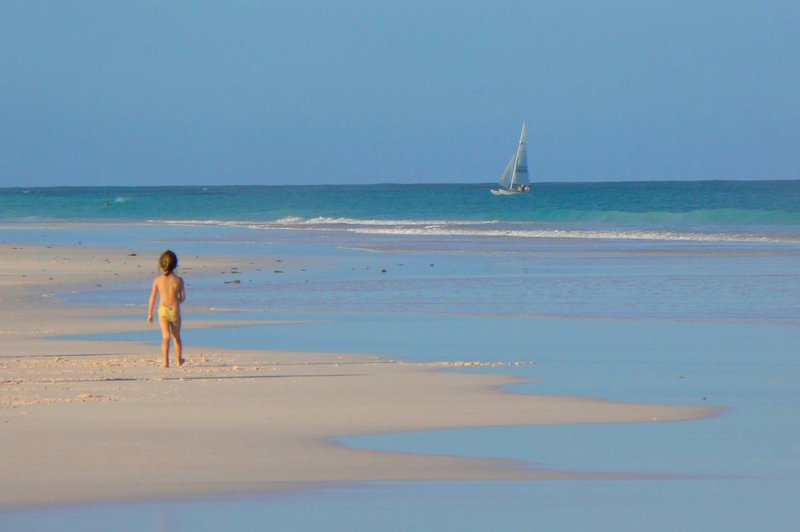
[515,177]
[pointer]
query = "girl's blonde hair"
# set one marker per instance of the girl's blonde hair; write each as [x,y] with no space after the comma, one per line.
[168,261]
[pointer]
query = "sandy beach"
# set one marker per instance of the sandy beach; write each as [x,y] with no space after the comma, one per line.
[89,421]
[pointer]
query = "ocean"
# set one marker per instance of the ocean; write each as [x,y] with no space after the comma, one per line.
[694,210]
[668,292]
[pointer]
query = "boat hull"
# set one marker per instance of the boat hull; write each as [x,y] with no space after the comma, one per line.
[505,192]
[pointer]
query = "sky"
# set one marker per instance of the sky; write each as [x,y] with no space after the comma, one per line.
[369,91]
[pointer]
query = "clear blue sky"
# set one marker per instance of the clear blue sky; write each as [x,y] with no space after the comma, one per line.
[369,91]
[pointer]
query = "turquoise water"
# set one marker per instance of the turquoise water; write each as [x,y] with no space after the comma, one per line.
[757,207]
[697,309]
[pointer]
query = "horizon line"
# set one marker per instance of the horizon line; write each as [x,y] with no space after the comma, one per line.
[401,184]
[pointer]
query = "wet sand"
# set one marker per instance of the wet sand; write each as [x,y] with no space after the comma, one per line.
[88,421]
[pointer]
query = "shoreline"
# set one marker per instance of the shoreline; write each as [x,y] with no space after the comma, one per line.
[96,421]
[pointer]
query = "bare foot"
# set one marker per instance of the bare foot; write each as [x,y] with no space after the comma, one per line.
[180,362]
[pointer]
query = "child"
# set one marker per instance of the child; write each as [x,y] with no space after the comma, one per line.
[169,288]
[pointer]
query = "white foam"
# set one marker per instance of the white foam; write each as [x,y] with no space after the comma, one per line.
[290,220]
[323,220]
[585,234]
[464,228]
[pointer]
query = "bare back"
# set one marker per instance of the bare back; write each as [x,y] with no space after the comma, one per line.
[170,290]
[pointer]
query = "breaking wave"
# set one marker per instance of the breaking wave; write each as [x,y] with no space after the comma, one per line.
[498,229]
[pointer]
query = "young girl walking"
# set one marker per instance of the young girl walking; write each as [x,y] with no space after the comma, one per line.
[171,293]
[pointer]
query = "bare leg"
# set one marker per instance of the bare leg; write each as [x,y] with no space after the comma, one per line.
[176,335]
[164,340]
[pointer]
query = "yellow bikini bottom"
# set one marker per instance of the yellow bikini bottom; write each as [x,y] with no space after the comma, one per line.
[171,314]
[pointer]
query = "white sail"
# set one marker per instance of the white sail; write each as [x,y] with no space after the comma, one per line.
[515,177]
[508,174]
[521,166]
